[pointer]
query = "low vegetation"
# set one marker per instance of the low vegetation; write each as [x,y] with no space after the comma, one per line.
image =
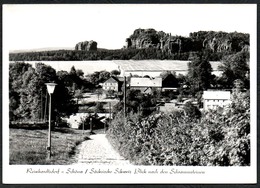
[217,138]
[28,147]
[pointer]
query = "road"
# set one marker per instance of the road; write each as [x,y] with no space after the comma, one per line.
[98,151]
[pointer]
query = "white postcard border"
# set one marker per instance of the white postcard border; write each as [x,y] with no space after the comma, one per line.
[21,174]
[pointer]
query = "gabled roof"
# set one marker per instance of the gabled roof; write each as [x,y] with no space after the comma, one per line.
[146,82]
[112,80]
[223,95]
[170,81]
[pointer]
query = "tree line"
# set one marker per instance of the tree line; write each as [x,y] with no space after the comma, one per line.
[123,54]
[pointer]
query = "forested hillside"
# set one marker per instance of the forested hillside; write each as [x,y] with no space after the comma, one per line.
[151,44]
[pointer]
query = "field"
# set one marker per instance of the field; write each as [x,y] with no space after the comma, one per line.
[158,65]
[89,67]
[29,146]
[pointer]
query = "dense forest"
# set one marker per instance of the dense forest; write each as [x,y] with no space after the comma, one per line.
[150,44]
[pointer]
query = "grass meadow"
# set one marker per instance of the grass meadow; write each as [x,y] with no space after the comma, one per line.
[28,147]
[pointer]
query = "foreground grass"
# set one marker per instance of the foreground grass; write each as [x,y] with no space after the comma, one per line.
[29,146]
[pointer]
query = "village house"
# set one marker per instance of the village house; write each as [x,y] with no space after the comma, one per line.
[146,85]
[112,84]
[170,82]
[215,99]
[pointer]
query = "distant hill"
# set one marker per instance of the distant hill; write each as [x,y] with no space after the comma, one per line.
[41,49]
[146,44]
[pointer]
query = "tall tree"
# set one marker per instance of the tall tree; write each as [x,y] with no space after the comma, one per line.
[45,74]
[234,67]
[16,71]
[73,71]
[63,103]
[29,108]
[199,73]
[65,77]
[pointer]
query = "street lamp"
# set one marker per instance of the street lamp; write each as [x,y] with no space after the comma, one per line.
[90,127]
[50,88]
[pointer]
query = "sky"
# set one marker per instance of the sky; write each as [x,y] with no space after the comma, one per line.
[55,26]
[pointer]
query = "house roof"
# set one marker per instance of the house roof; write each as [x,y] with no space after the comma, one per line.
[112,80]
[216,95]
[146,82]
[170,81]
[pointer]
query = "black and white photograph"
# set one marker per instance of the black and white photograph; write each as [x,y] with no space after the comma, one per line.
[127,93]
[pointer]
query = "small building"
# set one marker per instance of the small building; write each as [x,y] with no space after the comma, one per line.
[170,82]
[146,85]
[112,84]
[215,99]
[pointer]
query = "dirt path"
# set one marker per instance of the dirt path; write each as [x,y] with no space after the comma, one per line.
[98,151]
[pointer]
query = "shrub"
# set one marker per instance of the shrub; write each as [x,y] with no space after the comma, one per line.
[173,139]
[191,111]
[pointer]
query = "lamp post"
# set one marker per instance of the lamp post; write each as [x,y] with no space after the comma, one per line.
[50,88]
[90,127]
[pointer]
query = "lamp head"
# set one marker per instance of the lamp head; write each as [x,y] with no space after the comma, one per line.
[50,87]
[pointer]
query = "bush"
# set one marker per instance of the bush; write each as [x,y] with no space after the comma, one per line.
[173,139]
[191,111]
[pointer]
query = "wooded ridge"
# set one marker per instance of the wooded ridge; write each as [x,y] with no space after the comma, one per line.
[150,44]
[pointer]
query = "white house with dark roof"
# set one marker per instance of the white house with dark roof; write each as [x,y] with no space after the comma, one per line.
[215,99]
[112,84]
[145,85]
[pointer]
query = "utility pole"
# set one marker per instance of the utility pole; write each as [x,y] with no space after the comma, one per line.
[110,117]
[125,98]
[83,124]
[91,124]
